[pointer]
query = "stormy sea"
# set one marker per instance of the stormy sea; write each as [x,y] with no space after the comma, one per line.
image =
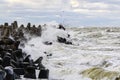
[93,55]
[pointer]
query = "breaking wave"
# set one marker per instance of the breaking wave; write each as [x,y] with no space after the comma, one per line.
[94,54]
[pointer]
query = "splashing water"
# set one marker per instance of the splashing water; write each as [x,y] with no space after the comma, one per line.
[92,47]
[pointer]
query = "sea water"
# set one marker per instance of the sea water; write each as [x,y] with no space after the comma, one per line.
[92,47]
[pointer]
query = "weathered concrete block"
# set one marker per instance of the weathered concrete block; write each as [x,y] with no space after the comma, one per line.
[39,30]
[28,26]
[15,25]
[5,24]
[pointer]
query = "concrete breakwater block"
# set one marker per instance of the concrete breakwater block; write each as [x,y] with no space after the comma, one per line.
[19,71]
[44,74]
[30,72]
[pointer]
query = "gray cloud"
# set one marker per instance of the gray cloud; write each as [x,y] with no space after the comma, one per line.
[78,11]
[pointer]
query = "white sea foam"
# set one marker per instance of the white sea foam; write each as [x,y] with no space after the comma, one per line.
[92,47]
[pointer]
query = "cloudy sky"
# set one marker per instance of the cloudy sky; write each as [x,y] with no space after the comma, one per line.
[68,12]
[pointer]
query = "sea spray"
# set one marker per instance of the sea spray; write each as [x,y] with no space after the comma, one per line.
[67,61]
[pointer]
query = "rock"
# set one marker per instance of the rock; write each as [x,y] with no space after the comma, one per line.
[39,30]
[44,74]
[12,25]
[49,55]
[14,34]
[19,71]
[68,42]
[33,30]
[6,24]
[2,54]
[45,52]
[61,27]
[22,45]
[48,43]
[6,61]
[14,63]
[10,73]
[1,26]
[7,41]
[68,35]
[30,72]
[7,54]
[118,78]
[21,27]
[27,58]
[61,40]
[16,45]
[18,53]
[34,26]
[1,61]
[9,51]
[10,29]
[39,62]
[1,42]
[20,34]
[28,26]
[2,75]
[15,25]
[5,32]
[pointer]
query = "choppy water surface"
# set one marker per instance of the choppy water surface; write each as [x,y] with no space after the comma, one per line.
[92,47]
